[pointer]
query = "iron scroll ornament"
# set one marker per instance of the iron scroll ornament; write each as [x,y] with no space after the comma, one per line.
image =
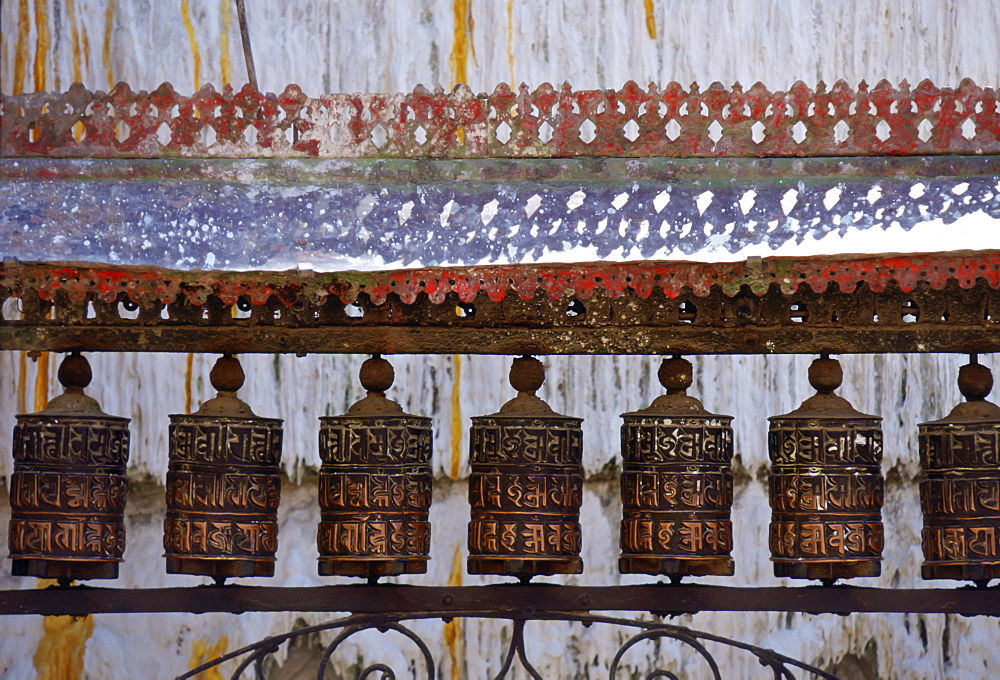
[255,655]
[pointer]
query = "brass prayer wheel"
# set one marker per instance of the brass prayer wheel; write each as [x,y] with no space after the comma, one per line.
[68,488]
[526,485]
[223,485]
[826,485]
[374,485]
[960,485]
[676,484]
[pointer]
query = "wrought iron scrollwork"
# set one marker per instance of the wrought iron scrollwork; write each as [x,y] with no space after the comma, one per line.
[256,654]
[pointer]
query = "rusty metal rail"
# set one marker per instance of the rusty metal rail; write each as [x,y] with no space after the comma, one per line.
[526,601]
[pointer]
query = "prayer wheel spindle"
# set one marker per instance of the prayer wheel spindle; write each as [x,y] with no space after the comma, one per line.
[826,485]
[68,488]
[960,485]
[677,484]
[526,485]
[223,485]
[375,485]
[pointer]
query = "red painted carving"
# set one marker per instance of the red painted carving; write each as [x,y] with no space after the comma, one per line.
[671,121]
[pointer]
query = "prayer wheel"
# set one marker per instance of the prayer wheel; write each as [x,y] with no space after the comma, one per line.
[826,485]
[374,485]
[223,485]
[68,488]
[677,484]
[526,485]
[960,485]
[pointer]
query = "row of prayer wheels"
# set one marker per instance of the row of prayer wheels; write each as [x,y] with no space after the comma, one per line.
[69,486]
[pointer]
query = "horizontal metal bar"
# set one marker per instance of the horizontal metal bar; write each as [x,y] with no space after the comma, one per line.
[505,600]
[510,341]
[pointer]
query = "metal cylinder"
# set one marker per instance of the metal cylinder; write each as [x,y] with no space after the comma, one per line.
[676,484]
[826,485]
[374,485]
[68,488]
[223,485]
[526,485]
[960,485]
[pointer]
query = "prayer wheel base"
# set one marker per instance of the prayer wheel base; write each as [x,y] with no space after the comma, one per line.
[369,568]
[219,568]
[504,566]
[665,566]
[828,571]
[978,573]
[64,570]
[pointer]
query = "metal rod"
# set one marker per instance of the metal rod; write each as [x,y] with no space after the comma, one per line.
[511,340]
[241,12]
[505,600]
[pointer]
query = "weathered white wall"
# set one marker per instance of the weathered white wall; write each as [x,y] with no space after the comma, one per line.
[392,45]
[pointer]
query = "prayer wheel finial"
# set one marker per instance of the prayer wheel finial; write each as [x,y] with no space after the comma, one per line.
[677,484]
[69,486]
[223,485]
[826,485]
[960,484]
[374,485]
[526,484]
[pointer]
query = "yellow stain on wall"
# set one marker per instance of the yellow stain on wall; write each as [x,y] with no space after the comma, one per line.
[226,14]
[85,39]
[44,41]
[650,18]
[189,27]
[59,655]
[201,652]
[109,25]
[456,419]
[42,382]
[75,32]
[21,49]
[510,39]
[22,384]
[461,45]
[188,372]
[453,639]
